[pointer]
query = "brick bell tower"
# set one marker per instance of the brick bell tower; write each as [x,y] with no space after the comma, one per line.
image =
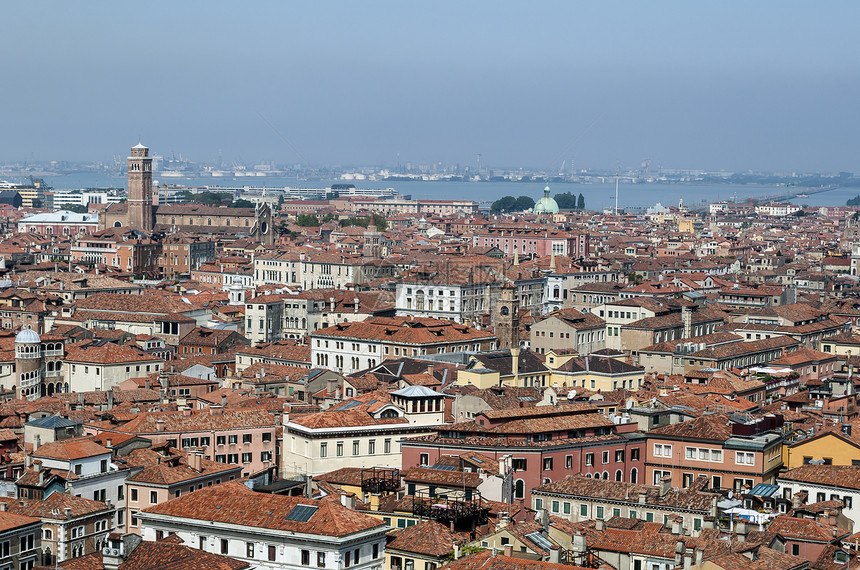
[140,188]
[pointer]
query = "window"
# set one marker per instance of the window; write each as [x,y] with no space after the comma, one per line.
[566,508]
[568,461]
[634,454]
[153,497]
[519,464]
[589,459]
[599,512]
[323,449]
[247,438]
[233,439]
[339,449]
[547,464]
[355,447]
[371,447]
[538,504]
[386,448]
[795,549]
[250,550]
[424,459]
[221,440]
[744,458]
[662,450]
[583,510]
[306,557]
[247,458]
[375,551]
[605,457]
[225,546]
[619,456]
[267,437]
[320,559]
[134,494]
[556,505]
[272,553]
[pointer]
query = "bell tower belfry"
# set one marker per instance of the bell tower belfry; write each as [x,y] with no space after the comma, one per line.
[140,188]
[508,318]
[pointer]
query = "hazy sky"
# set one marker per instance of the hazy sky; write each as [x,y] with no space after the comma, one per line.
[715,85]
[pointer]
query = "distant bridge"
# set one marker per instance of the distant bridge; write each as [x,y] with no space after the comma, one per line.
[790,194]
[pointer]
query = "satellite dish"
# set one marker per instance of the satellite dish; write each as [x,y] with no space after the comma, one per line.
[630,403]
[571,395]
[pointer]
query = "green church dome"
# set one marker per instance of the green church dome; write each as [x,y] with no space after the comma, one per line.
[546,204]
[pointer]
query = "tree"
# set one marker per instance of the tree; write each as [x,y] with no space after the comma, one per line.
[241,203]
[76,208]
[580,202]
[524,203]
[307,221]
[503,205]
[565,201]
[854,201]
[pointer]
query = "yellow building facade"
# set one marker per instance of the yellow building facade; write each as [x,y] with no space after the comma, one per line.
[832,447]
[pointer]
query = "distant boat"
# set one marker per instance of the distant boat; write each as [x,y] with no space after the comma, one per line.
[802,196]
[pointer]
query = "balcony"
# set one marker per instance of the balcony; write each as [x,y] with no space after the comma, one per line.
[380,480]
[463,513]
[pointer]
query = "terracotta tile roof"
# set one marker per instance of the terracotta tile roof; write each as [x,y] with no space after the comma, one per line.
[713,427]
[805,530]
[442,477]
[347,418]
[846,476]
[234,503]
[402,330]
[107,354]
[159,469]
[428,538]
[580,486]
[197,420]
[68,449]
[8,521]
[54,506]
[488,560]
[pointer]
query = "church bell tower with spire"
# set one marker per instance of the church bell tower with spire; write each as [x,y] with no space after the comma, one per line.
[140,188]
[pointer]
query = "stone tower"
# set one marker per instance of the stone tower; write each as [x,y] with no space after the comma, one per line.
[140,188]
[508,318]
[28,365]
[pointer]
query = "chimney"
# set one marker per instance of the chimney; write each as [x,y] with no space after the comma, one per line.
[159,426]
[355,305]
[456,551]
[700,554]
[374,502]
[109,443]
[515,362]
[680,549]
[665,485]
[146,383]
[216,410]
[741,531]
[186,411]
[331,304]
[430,370]
[598,525]
[578,544]
[687,319]
[67,512]
[4,507]
[509,550]
[347,500]
[554,555]
[676,526]
[109,395]
[223,400]
[37,466]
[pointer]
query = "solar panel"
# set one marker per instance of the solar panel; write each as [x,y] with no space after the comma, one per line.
[476,460]
[443,467]
[540,540]
[302,513]
[346,406]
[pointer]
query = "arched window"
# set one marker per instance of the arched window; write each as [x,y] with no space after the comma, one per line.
[634,475]
[519,489]
[504,311]
[47,534]
[606,475]
[618,475]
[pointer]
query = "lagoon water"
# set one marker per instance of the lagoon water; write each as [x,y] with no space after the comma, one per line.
[597,196]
